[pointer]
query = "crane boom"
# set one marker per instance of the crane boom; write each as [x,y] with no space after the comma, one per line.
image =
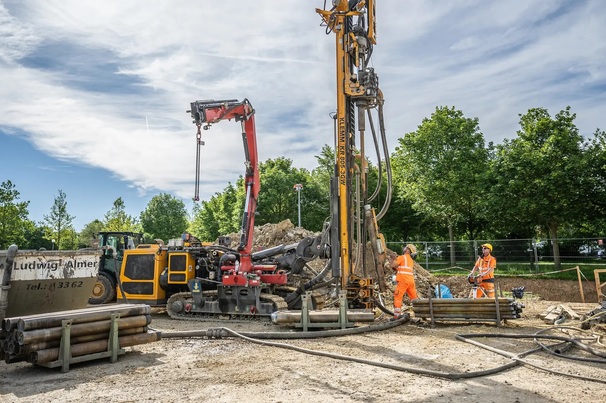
[208,112]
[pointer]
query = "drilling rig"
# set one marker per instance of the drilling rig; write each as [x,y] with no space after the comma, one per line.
[196,280]
[353,219]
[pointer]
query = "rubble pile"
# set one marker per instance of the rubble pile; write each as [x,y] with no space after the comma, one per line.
[270,235]
[557,314]
[595,319]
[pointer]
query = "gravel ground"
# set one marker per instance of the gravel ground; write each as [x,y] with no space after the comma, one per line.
[235,369]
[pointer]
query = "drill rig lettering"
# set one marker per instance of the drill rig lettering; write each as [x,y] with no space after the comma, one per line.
[342,153]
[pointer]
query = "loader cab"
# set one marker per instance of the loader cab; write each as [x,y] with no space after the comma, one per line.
[113,245]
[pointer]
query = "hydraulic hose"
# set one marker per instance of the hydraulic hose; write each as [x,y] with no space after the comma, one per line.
[293,296]
[518,357]
[220,332]
[382,307]
[379,163]
[558,353]
[387,161]
[256,338]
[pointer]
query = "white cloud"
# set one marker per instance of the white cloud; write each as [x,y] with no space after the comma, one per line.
[492,60]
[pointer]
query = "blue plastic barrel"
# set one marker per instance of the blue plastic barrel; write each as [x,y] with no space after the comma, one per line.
[443,291]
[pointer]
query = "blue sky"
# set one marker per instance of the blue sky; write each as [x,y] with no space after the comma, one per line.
[94,94]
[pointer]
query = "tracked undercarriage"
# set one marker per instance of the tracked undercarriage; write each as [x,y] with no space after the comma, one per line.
[234,303]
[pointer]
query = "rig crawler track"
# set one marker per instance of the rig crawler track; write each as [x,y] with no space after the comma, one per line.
[185,299]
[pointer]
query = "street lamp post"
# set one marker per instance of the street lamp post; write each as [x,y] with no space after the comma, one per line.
[298,187]
[53,241]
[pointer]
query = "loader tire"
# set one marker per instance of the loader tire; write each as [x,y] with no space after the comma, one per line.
[104,291]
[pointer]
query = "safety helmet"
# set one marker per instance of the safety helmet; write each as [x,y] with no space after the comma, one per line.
[412,248]
[487,245]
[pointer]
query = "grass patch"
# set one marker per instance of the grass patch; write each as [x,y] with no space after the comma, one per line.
[543,270]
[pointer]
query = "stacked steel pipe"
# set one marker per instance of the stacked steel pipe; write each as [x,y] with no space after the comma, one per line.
[37,338]
[467,309]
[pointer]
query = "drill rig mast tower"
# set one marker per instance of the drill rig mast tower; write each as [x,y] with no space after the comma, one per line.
[353,220]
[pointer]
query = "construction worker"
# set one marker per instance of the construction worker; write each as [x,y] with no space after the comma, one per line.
[405,282]
[483,273]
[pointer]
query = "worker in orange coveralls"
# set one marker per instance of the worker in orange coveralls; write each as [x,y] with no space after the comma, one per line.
[483,273]
[403,266]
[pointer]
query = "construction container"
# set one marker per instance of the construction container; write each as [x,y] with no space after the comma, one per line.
[40,281]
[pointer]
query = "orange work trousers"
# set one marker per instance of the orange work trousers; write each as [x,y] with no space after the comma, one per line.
[485,290]
[405,285]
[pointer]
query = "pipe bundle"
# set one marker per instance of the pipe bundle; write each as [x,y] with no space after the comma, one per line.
[37,338]
[481,309]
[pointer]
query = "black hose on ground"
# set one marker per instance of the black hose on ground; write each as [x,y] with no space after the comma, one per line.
[518,357]
[223,332]
[382,307]
[558,353]
[217,333]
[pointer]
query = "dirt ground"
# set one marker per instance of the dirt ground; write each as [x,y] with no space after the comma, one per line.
[398,364]
[238,370]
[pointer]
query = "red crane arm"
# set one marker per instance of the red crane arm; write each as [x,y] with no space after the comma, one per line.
[207,112]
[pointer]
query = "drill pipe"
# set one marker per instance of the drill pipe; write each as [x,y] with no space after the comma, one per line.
[466,316]
[92,314]
[327,316]
[43,345]
[425,308]
[9,359]
[33,336]
[52,354]
[462,301]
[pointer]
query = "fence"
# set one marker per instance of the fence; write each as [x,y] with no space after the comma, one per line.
[438,254]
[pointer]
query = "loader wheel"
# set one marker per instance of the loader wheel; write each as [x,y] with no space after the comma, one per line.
[104,291]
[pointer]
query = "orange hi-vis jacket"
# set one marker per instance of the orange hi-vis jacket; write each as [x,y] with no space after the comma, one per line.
[486,265]
[405,265]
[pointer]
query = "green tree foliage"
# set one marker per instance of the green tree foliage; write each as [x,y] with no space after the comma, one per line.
[89,232]
[164,218]
[13,216]
[70,239]
[278,199]
[324,171]
[442,169]
[218,216]
[59,222]
[116,219]
[35,237]
[596,178]
[543,173]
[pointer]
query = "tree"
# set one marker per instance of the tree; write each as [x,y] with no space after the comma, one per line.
[164,217]
[442,169]
[596,178]
[59,221]
[89,232]
[36,236]
[278,200]
[543,173]
[220,215]
[117,220]
[13,216]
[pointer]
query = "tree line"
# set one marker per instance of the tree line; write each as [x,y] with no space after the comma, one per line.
[548,181]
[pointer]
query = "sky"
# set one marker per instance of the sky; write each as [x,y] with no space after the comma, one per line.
[94,94]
